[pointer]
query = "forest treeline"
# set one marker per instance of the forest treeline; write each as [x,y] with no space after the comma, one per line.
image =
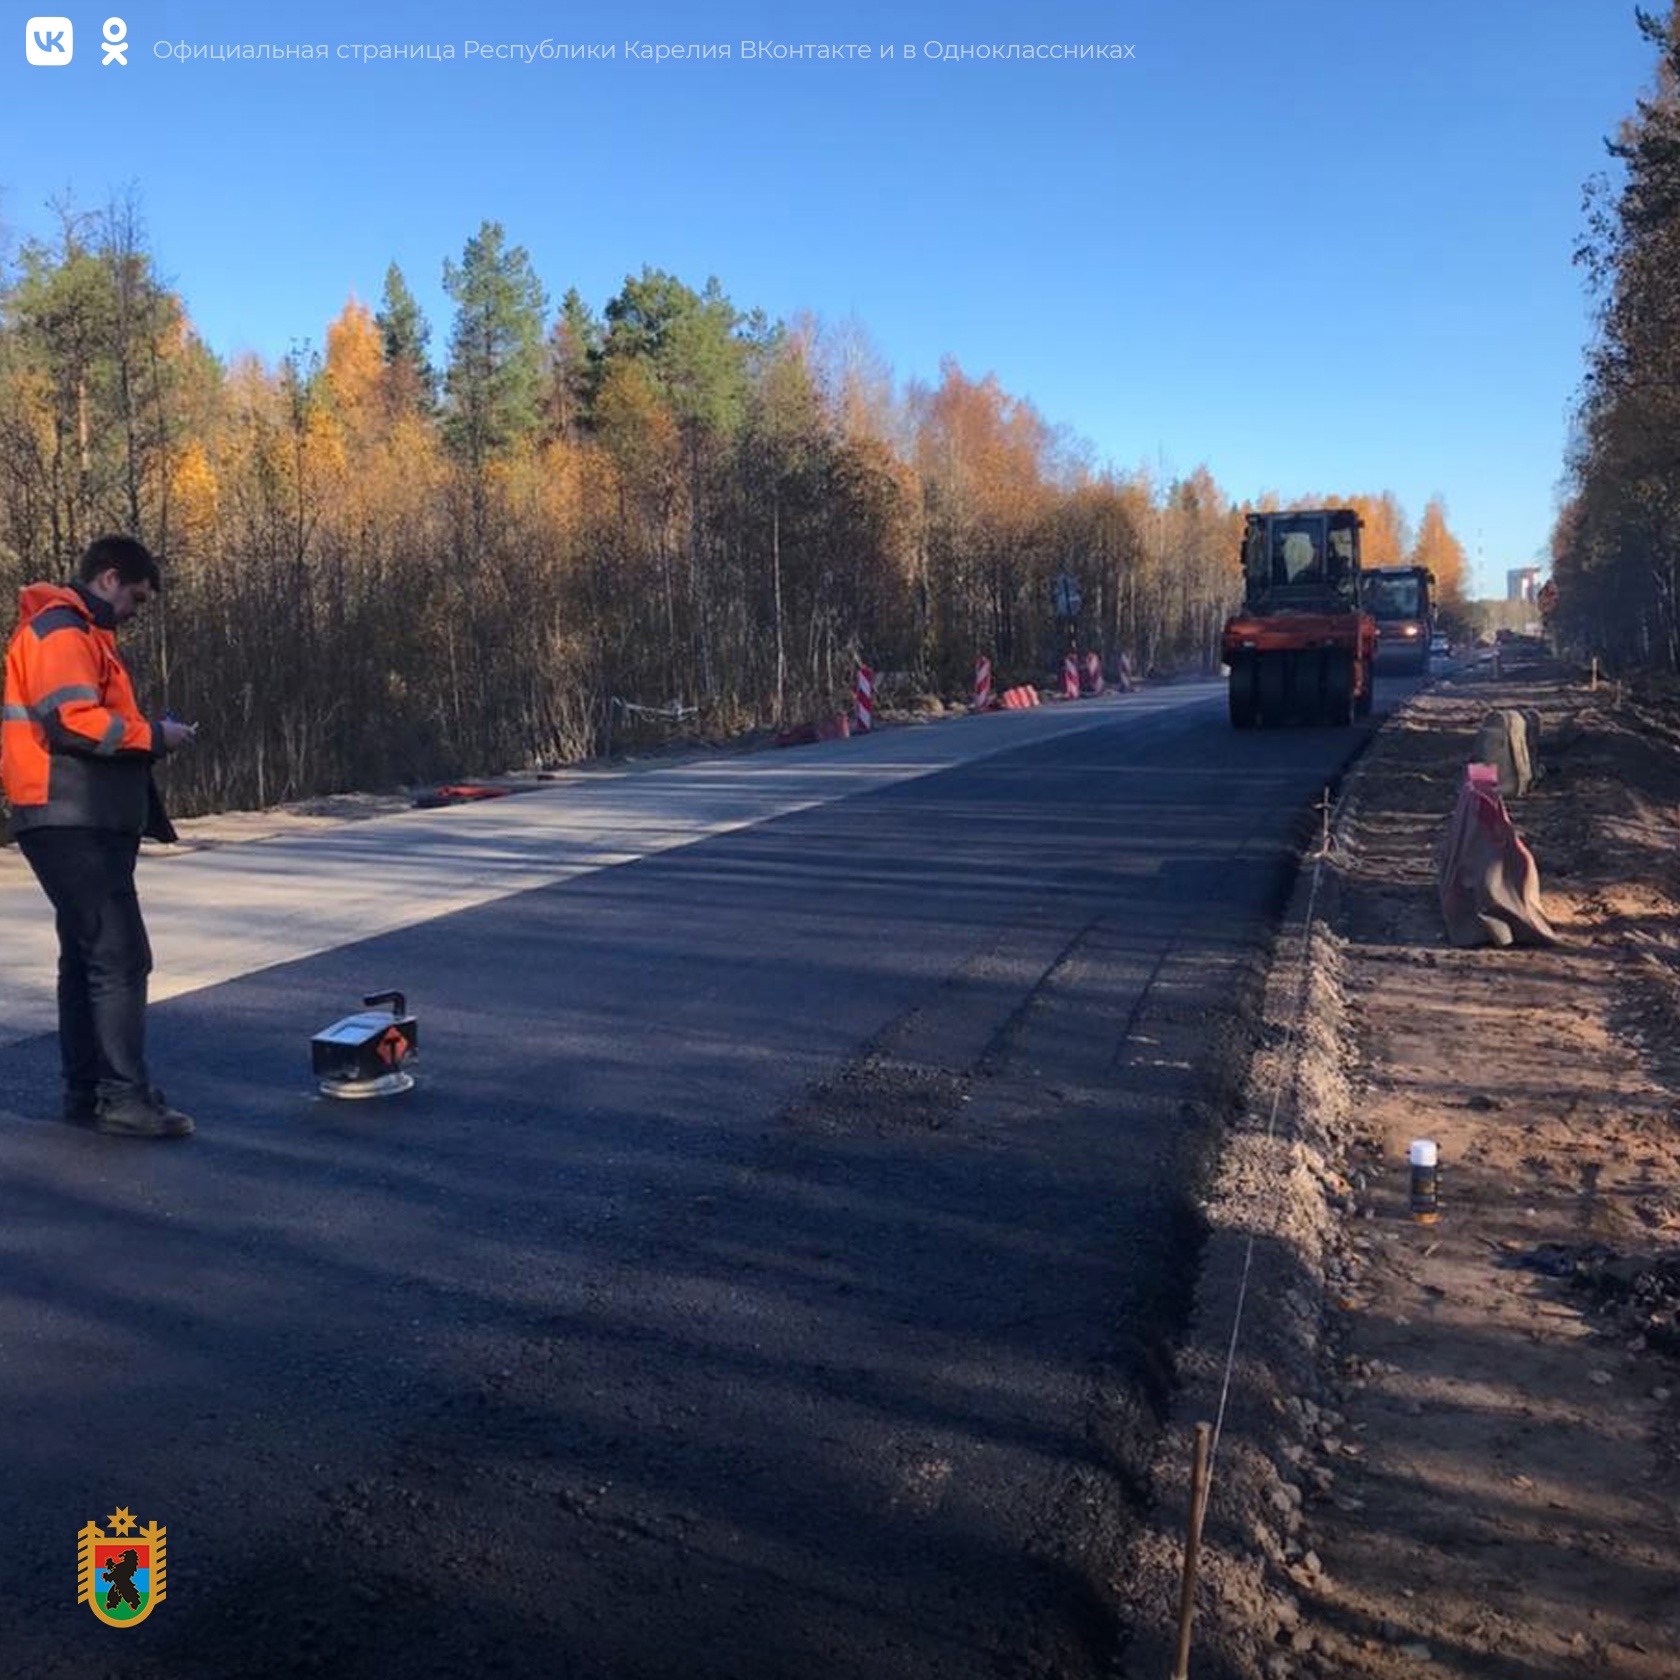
[1616,543]
[390,560]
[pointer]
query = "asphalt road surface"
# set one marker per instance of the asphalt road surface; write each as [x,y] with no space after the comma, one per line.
[774,1274]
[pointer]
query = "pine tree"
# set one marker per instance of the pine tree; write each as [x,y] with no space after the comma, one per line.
[694,345]
[410,379]
[574,368]
[1616,548]
[495,376]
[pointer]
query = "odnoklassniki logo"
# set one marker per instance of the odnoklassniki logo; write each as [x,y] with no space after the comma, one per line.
[119,1576]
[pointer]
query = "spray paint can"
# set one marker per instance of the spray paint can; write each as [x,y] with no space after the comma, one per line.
[1426,1202]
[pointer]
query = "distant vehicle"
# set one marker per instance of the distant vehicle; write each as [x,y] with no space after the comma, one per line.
[1439,646]
[1302,645]
[1401,600]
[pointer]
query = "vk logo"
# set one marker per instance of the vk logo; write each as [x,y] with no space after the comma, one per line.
[49,40]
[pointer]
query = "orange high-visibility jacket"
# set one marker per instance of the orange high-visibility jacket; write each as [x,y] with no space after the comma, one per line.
[74,750]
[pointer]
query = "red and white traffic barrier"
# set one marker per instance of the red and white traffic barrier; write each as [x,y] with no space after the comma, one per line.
[1127,681]
[865,697]
[982,684]
[1093,674]
[1070,677]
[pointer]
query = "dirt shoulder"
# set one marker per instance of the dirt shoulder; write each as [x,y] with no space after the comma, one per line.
[1453,1449]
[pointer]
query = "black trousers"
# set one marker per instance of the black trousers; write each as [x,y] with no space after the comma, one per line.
[104,956]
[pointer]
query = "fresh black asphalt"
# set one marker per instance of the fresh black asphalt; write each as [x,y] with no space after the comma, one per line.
[772,1276]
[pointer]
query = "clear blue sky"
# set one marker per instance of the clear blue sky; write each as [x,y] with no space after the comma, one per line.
[1317,246]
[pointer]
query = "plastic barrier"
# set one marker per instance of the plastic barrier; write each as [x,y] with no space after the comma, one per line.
[1488,880]
[864,697]
[460,793]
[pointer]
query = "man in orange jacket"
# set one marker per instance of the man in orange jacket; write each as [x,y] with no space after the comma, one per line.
[76,760]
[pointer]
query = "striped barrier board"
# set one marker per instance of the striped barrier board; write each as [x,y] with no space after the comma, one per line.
[865,699]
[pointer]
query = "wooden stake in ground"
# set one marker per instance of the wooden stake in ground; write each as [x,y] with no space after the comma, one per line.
[1192,1549]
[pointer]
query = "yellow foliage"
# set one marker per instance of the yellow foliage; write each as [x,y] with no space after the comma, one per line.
[27,400]
[193,496]
[355,363]
[988,454]
[1383,541]
[633,418]
[1442,552]
[560,466]
[324,443]
[414,460]
[178,333]
[639,432]
[249,389]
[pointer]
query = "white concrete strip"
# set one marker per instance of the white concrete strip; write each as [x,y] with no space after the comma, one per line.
[216,914]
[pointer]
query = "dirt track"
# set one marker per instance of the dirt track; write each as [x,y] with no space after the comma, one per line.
[1455,1450]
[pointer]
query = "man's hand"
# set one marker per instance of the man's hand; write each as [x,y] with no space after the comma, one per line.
[177,734]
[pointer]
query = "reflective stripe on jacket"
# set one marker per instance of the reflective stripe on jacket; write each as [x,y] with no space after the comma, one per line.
[74,750]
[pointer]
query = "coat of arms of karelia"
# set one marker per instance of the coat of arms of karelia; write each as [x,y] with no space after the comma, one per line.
[120,1575]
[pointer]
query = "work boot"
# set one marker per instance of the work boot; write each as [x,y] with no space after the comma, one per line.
[142,1114]
[81,1104]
